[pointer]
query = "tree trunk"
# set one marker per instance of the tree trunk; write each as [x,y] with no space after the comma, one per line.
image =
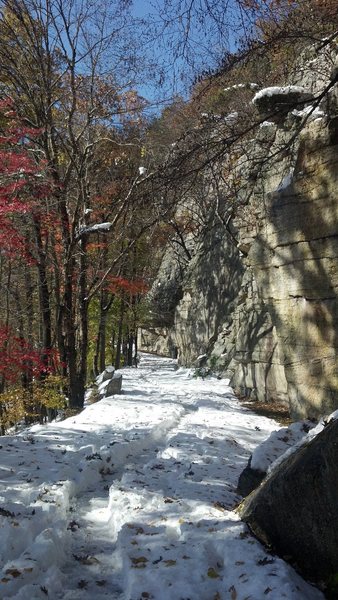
[76,389]
[119,335]
[83,309]
[130,350]
[44,295]
[105,305]
[135,357]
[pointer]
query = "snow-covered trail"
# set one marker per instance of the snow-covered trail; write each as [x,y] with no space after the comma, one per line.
[134,499]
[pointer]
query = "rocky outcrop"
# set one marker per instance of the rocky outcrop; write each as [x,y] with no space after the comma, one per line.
[209,295]
[295,510]
[276,102]
[249,479]
[259,295]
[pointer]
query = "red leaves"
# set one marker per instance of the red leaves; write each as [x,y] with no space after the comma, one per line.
[18,357]
[130,286]
[22,181]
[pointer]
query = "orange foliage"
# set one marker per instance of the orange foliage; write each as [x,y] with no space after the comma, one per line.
[131,286]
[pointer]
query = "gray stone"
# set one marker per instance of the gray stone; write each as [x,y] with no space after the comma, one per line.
[276,105]
[295,510]
[249,479]
[114,386]
[107,374]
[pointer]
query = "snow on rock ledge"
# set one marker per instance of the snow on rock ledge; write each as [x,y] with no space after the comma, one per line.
[274,101]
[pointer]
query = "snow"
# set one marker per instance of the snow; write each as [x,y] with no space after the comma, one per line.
[278,91]
[241,86]
[303,439]
[278,443]
[266,124]
[94,228]
[310,113]
[135,498]
[231,117]
[286,181]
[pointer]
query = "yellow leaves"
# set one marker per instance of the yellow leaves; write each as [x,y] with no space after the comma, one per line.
[17,402]
[169,563]
[212,573]
[12,407]
[49,392]
[139,562]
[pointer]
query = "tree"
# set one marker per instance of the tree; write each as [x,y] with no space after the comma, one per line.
[54,65]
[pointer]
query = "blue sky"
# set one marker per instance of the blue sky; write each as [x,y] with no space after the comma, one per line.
[209,38]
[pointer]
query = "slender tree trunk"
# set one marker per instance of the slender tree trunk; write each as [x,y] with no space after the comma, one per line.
[102,340]
[76,388]
[44,294]
[120,335]
[130,349]
[7,300]
[113,354]
[96,356]
[83,323]
[135,357]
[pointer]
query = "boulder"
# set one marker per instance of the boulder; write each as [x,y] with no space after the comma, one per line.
[249,479]
[107,374]
[114,386]
[277,101]
[295,510]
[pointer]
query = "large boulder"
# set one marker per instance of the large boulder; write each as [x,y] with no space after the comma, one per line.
[249,479]
[114,386]
[295,510]
[107,374]
[274,102]
[110,386]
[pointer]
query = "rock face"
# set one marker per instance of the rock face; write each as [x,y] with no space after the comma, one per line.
[276,102]
[249,480]
[295,510]
[261,302]
[295,263]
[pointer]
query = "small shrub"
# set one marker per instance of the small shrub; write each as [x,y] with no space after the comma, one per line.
[32,403]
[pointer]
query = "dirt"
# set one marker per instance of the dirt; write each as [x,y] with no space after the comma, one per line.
[276,411]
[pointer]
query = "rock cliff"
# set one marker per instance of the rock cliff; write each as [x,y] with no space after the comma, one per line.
[263,311]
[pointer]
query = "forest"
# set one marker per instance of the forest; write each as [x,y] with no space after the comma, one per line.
[96,177]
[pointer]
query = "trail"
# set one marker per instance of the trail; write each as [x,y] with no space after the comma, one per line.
[136,499]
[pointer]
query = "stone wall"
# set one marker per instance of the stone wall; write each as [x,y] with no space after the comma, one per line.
[295,263]
[265,310]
